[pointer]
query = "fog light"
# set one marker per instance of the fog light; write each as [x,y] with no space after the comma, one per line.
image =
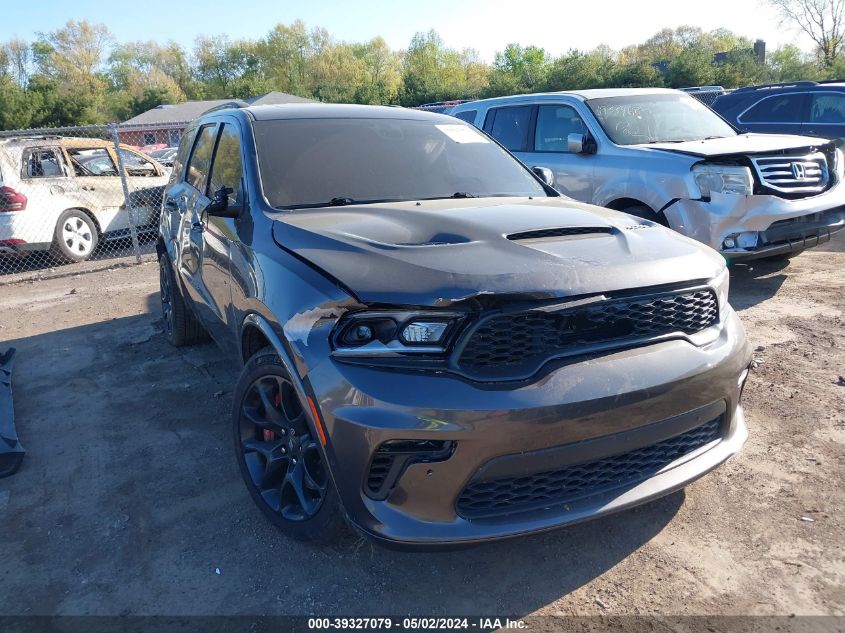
[729,243]
[428,332]
[748,239]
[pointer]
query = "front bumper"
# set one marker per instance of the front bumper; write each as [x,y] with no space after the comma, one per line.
[782,225]
[609,402]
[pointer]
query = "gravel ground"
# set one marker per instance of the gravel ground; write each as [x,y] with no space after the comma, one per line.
[129,500]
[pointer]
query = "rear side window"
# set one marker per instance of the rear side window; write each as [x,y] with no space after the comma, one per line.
[467,115]
[42,163]
[554,125]
[200,161]
[92,162]
[511,127]
[827,108]
[778,109]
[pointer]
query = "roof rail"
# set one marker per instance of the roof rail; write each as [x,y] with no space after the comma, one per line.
[832,81]
[782,84]
[227,106]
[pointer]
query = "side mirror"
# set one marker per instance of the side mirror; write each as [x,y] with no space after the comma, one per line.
[576,143]
[219,205]
[545,174]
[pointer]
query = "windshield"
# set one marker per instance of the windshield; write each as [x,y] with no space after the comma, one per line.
[317,162]
[657,118]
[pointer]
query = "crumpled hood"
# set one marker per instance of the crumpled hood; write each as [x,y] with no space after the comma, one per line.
[741,144]
[437,253]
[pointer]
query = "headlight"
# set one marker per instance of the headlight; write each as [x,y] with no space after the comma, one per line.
[376,333]
[838,164]
[723,179]
[721,284]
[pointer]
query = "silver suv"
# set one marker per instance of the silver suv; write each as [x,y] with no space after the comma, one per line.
[662,155]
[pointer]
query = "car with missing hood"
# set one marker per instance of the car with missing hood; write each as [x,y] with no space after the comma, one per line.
[661,154]
[436,346]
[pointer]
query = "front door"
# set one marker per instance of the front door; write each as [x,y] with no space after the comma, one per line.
[573,172]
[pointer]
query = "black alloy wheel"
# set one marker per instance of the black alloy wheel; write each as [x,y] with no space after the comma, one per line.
[280,460]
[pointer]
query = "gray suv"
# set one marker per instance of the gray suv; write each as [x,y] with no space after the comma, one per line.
[662,155]
[436,345]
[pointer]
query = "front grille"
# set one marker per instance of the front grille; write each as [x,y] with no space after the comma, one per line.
[793,174]
[485,499]
[520,342]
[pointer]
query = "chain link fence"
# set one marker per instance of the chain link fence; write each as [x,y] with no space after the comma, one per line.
[77,194]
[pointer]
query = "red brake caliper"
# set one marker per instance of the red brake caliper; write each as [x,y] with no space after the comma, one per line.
[269,436]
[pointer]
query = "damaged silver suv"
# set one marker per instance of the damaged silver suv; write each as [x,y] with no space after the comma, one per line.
[661,154]
[437,346]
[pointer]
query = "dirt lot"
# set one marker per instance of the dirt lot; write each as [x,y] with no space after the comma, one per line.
[130,500]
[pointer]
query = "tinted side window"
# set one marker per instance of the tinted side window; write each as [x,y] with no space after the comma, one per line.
[228,170]
[511,126]
[43,163]
[827,108]
[554,125]
[467,115]
[200,161]
[777,109]
[182,155]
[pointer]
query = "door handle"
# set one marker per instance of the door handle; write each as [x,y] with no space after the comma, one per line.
[88,188]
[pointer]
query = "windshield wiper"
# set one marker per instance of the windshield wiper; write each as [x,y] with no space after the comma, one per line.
[340,201]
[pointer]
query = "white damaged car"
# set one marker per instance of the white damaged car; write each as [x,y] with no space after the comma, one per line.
[664,156]
[66,195]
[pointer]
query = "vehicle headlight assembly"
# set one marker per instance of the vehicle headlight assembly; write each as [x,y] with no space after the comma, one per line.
[732,179]
[721,284]
[385,333]
[838,164]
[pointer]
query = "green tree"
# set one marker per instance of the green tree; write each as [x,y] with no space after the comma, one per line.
[518,70]
[692,67]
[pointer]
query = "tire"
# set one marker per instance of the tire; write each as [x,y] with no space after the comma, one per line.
[645,212]
[181,327]
[75,238]
[280,461]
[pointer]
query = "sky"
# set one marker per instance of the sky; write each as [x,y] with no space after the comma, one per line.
[486,25]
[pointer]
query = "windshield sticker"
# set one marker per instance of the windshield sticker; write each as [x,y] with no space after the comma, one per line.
[462,133]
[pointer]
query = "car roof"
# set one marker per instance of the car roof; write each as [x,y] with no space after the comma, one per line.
[289,111]
[64,141]
[583,95]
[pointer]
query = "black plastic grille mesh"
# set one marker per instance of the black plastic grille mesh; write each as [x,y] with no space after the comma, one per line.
[524,340]
[506,496]
[379,469]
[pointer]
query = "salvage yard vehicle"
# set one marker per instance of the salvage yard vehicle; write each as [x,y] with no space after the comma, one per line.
[65,195]
[799,107]
[436,345]
[662,155]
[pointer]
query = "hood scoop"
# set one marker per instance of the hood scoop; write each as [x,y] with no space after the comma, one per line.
[569,232]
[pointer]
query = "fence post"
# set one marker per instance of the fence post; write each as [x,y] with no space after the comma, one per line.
[130,211]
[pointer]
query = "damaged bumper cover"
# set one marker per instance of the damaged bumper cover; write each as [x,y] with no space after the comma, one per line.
[11,451]
[465,437]
[747,227]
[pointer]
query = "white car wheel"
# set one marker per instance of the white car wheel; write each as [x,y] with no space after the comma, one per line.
[76,236]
